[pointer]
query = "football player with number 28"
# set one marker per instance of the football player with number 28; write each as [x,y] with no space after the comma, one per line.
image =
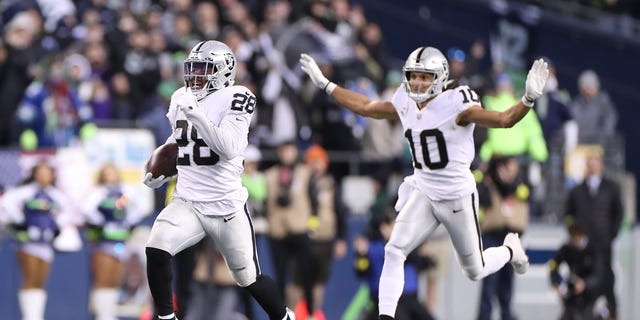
[210,119]
[438,124]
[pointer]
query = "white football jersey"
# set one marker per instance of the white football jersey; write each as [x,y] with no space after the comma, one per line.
[442,150]
[203,175]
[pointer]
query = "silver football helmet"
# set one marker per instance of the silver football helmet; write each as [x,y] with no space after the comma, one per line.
[210,66]
[431,60]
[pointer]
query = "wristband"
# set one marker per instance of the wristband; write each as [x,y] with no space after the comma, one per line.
[329,87]
[527,101]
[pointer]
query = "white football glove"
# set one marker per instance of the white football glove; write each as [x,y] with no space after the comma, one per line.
[309,66]
[154,183]
[188,102]
[536,79]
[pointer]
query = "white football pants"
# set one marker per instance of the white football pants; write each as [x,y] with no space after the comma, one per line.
[417,219]
[180,226]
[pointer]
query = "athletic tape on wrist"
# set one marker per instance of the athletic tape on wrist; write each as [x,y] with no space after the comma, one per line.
[527,101]
[330,87]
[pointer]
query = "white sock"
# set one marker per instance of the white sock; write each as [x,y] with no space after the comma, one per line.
[104,302]
[494,259]
[170,316]
[32,303]
[391,281]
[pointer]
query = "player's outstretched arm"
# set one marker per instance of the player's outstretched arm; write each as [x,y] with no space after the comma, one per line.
[536,79]
[353,101]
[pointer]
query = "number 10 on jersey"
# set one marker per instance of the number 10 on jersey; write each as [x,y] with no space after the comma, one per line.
[424,142]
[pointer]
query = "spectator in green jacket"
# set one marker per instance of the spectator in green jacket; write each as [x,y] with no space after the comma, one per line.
[524,138]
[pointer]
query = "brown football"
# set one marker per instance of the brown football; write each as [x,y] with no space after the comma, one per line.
[163,161]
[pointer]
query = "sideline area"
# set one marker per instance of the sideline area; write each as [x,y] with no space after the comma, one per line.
[534,299]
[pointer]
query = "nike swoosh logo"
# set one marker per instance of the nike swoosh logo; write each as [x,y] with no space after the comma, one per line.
[227,220]
[456,211]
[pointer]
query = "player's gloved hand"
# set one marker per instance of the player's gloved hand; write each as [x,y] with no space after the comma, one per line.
[536,79]
[309,66]
[188,102]
[154,183]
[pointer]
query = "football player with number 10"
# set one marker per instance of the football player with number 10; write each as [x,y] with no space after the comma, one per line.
[438,124]
[210,119]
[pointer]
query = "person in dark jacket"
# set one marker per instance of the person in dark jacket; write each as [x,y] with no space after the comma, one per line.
[560,130]
[597,204]
[559,127]
[581,287]
[19,52]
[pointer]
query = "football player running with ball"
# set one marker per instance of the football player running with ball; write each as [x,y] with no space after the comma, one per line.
[210,119]
[438,124]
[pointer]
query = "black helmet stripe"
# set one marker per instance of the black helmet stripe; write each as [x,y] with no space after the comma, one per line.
[419,54]
[197,48]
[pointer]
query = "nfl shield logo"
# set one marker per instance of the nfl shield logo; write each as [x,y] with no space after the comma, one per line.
[230,60]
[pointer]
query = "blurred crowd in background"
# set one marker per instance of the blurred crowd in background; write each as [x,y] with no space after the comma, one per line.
[69,64]
[70,67]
